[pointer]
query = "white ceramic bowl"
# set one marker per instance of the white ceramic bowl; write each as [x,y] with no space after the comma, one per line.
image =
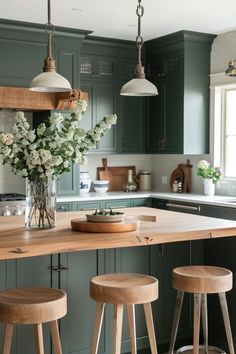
[100,186]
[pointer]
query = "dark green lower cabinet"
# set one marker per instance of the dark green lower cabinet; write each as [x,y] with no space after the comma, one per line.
[28,272]
[221,252]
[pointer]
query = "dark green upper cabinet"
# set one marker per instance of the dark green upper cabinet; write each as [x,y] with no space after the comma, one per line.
[98,74]
[178,118]
[24,48]
[133,114]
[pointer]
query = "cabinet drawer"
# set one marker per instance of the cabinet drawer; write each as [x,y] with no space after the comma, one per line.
[117,204]
[62,207]
[87,206]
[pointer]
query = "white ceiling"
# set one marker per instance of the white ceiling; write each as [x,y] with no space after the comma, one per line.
[118,19]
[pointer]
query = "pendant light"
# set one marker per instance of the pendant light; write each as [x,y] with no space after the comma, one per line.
[231,70]
[49,80]
[139,86]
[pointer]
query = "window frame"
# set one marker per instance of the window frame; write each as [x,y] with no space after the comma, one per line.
[219,135]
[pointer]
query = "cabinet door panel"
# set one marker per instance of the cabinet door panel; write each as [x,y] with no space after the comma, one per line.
[134,260]
[133,127]
[173,115]
[163,259]
[77,326]
[106,105]
[155,123]
[29,272]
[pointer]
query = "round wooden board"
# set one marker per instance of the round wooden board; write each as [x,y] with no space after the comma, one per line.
[86,226]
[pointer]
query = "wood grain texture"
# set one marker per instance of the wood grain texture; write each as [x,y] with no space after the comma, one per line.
[32,305]
[116,175]
[17,242]
[101,227]
[202,279]
[23,98]
[124,288]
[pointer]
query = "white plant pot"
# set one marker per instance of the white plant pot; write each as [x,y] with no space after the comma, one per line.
[209,187]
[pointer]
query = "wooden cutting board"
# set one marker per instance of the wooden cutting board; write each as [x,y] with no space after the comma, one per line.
[86,226]
[117,175]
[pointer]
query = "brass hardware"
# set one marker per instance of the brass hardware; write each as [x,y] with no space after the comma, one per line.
[231,70]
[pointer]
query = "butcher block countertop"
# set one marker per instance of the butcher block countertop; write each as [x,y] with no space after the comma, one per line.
[16,242]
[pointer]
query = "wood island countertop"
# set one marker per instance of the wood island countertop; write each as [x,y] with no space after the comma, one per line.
[16,242]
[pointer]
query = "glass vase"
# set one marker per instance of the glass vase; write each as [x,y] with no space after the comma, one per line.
[209,187]
[40,210]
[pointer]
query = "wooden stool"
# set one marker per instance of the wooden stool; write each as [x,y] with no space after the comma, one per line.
[124,289]
[33,306]
[201,280]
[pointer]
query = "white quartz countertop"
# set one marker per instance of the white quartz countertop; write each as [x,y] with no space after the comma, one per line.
[219,200]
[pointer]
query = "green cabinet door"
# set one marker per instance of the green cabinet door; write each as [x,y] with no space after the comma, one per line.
[134,260]
[163,259]
[77,326]
[165,126]
[28,272]
[98,75]
[178,119]
[133,130]
[221,253]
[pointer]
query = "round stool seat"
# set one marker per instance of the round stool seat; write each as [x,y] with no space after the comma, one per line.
[202,279]
[32,305]
[124,288]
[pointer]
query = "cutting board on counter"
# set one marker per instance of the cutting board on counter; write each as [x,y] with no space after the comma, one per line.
[116,175]
[86,226]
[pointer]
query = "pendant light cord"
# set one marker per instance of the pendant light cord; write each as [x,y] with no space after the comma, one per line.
[139,39]
[49,62]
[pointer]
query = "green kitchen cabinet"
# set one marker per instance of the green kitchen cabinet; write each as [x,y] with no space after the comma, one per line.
[220,252]
[80,206]
[117,203]
[28,272]
[98,74]
[64,207]
[29,41]
[178,118]
[136,202]
[77,327]
[133,132]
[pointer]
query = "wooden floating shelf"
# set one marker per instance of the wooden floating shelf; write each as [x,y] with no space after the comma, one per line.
[24,99]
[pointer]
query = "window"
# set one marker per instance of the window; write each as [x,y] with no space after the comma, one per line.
[225,130]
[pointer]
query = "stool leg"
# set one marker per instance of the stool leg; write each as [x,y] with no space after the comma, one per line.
[150,327]
[178,307]
[132,328]
[117,328]
[97,326]
[38,332]
[225,313]
[7,338]
[205,322]
[55,337]
[196,325]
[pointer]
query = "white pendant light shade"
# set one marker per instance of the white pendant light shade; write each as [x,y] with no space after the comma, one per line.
[50,82]
[139,87]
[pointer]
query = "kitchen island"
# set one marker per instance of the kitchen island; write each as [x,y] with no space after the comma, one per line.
[68,259]
[16,242]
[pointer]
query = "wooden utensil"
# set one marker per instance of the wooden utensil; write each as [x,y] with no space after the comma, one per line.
[117,175]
